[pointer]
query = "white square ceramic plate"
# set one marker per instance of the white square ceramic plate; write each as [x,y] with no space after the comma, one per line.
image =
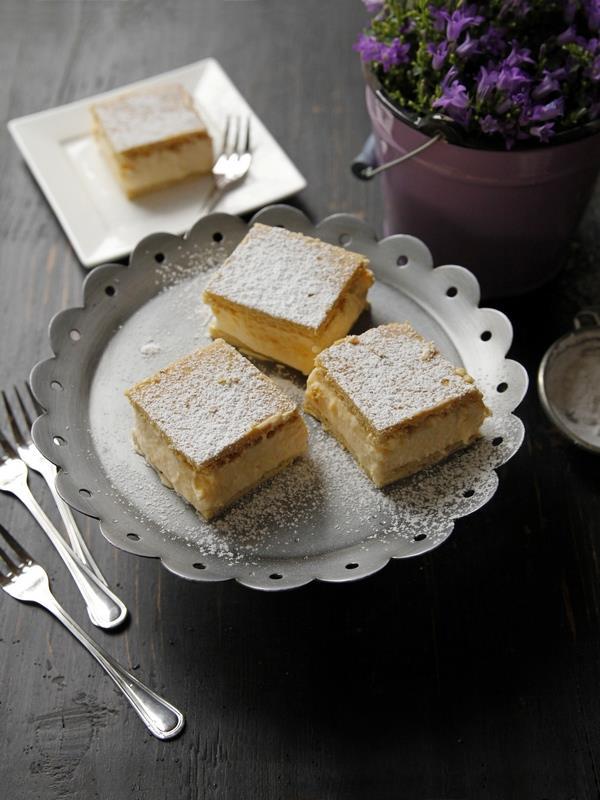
[101,223]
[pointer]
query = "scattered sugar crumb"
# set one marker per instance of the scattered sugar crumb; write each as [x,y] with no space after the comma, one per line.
[150,348]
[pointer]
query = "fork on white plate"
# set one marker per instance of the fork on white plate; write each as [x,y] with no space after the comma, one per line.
[232,166]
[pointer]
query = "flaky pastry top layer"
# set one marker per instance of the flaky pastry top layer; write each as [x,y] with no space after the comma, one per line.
[393,376]
[210,403]
[287,275]
[140,119]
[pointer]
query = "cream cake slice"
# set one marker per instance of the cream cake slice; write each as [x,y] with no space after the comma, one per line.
[394,401]
[152,138]
[214,426]
[286,296]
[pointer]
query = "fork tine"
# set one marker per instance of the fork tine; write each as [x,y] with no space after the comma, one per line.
[15,546]
[238,137]
[8,448]
[23,408]
[16,431]
[5,577]
[247,147]
[226,135]
[36,404]
[10,565]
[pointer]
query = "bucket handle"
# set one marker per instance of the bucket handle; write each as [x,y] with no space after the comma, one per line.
[587,318]
[365,165]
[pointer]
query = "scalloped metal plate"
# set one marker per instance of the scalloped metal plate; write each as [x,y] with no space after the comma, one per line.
[138,318]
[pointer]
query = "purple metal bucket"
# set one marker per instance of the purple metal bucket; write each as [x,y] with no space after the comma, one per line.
[506,216]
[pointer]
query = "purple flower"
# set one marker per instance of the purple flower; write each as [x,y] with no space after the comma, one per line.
[550,83]
[368,47]
[518,55]
[486,81]
[551,110]
[543,132]
[461,19]
[438,54]
[592,12]
[521,100]
[388,55]
[570,36]
[506,128]
[489,124]
[510,79]
[492,41]
[394,54]
[438,18]
[373,6]
[455,102]
[468,47]
[450,76]
[523,70]
[592,45]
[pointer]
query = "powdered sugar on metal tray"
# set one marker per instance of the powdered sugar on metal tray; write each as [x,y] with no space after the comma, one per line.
[573,388]
[321,505]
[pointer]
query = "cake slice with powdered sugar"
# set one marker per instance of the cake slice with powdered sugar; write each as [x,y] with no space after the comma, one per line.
[286,296]
[394,401]
[214,426]
[152,137]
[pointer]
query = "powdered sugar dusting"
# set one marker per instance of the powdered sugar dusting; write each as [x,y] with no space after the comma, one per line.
[286,275]
[323,503]
[573,385]
[320,512]
[144,117]
[208,401]
[391,374]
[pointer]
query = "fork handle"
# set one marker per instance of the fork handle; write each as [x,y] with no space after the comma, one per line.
[161,718]
[212,199]
[76,540]
[103,607]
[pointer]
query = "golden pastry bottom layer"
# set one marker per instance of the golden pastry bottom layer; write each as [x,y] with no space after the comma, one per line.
[386,459]
[214,487]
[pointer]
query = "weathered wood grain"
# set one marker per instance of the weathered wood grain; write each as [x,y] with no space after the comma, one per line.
[471,673]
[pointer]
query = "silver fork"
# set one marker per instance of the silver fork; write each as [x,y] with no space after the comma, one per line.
[234,162]
[103,607]
[36,461]
[24,579]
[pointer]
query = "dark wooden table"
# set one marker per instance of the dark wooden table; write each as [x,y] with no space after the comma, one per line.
[473,672]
